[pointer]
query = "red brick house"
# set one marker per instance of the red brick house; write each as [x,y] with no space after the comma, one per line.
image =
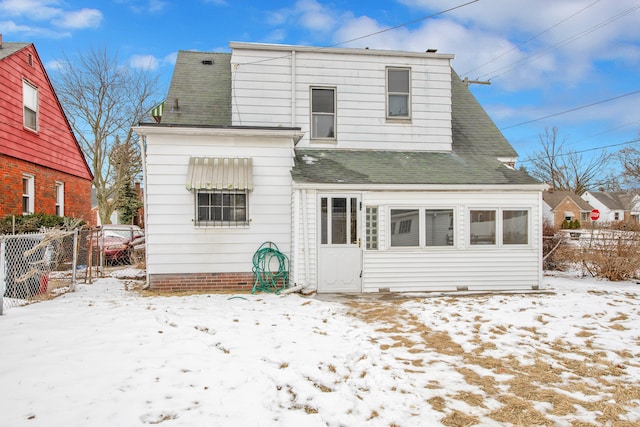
[42,168]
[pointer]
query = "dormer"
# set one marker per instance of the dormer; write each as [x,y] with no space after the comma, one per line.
[346,98]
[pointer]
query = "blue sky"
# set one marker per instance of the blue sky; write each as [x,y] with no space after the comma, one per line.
[543,57]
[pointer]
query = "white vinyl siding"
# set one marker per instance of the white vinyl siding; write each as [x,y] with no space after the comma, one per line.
[174,244]
[268,93]
[457,264]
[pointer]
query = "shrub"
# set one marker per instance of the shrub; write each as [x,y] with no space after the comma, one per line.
[34,223]
[612,255]
[552,245]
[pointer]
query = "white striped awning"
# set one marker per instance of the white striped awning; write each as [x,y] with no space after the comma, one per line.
[220,173]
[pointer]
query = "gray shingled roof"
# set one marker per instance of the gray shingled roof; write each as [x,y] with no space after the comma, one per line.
[477,143]
[200,92]
[200,95]
[555,197]
[9,48]
[615,200]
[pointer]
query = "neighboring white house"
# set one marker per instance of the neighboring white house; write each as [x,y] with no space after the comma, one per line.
[372,170]
[612,205]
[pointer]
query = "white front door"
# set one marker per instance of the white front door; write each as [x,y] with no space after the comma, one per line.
[339,251]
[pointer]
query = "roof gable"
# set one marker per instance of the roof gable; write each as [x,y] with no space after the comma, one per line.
[54,144]
[556,198]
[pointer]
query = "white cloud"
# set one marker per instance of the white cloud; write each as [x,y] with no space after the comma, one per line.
[77,19]
[54,65]
[34,9]
[144,6]
[11,27]
[308,14]
[146,62]
[314,16]
[170,59]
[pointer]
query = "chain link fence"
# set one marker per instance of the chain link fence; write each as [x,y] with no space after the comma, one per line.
[41,266]
[36,266]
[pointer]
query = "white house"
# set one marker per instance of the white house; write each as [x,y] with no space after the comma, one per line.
[371,170]
[611,205]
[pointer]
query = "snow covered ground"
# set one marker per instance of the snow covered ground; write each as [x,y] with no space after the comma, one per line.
[107,356]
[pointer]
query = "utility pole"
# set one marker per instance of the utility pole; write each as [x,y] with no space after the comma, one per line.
[467,82]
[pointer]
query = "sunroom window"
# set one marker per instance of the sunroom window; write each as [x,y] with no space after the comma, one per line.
[439,227]
[483,227]
[515,227]
[405,227]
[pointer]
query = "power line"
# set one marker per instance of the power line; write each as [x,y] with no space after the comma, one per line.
[562,43]
[532,38]
[406,23]
[371,34]
[571,110]
[586,150]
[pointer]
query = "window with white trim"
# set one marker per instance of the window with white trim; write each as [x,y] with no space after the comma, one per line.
[482,224]
[438,224]
[216,208]
[512,225]
[323,113]
[60,198]
[407,232]
[30,105]
[515,227]
[398,93]
[28,194]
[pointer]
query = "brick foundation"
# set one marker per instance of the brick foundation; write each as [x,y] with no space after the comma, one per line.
[202,282]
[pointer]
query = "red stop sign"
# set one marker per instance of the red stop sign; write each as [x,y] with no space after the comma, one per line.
[594,215]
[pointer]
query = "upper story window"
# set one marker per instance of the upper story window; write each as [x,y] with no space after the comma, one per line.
[30,104]
[398,93]
[323,113]
[28,194]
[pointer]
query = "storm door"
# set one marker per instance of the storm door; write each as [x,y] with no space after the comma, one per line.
[339,251]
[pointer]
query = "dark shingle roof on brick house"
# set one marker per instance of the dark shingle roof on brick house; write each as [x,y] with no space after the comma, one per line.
[556,197]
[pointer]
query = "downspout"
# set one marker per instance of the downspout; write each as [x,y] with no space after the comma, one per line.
[293,88]
[143,154]
[305,235]
[295,247]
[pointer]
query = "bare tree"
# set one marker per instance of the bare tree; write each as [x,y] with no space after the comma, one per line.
[629,159]
[103,99]
[565,169]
